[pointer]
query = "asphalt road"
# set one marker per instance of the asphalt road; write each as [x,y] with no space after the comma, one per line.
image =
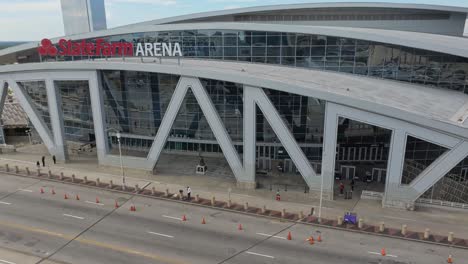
[49,229]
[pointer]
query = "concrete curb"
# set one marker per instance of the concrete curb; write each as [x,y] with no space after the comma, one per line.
[298,221]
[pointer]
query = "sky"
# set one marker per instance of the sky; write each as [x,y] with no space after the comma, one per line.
[24,20]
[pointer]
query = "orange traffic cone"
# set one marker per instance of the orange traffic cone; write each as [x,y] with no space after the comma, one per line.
[319,238]
[203,221]
[77,197]
[53,191]
[42,190]
[289,236]
[65,196]
[240,227]
[97,200]
[382,252]
[449,259]
[311,240]
[116,204]
[184,218]
[133,208]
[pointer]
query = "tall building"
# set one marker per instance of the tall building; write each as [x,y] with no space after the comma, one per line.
[376,92]
[82,16]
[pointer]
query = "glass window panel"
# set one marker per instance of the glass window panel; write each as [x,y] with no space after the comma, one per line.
[318,51]
[318,40]
[303,40]
[288,51]
[273,51]
[230,51]
[288,39]
[244,51]
[303,51]
[258,51]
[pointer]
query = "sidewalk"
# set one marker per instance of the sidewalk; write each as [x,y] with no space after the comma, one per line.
[439,221]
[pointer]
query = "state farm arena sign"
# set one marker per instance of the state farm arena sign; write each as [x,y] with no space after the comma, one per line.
[101,47]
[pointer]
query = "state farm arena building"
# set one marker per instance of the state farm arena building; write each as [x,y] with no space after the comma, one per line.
[288,93]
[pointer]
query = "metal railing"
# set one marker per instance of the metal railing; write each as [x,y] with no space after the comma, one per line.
[423,202]
[370,195]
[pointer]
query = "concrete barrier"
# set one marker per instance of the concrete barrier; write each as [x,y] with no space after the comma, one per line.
[360,223]
[27,171]
[73,178]
[16,169]
[450,237]
[111,184]
[7,168]
[340,220]
[213,201]
[246,206]
[404,229]
[382,227]
[49,174]
[427,233]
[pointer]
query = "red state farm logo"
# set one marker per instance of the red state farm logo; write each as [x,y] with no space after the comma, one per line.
[47,48]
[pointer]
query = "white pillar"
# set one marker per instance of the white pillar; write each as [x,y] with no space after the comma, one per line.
[54,101]
[396,158]
[33,115]
[99,119]
[329,148]
[249,127]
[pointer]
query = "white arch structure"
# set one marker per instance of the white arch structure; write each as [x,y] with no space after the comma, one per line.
[343,98]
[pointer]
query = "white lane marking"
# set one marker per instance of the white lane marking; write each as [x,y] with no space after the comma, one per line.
[262,234]
[93,203]
[172,217]
[74,216]
[6,262]
[257,254]
[4,203]
[377,253]
[25,190]
[159,234]
[399,218]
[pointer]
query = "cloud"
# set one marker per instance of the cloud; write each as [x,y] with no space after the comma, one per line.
[231,7]
[31,6]
[152,2]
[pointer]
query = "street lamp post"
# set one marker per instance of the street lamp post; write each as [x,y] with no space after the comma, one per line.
[120,156]
[122,172]
[321,198]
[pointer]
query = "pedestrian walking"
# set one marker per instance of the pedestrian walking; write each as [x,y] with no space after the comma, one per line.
[43,161]
[278,196]
[352,185]
[38,164]
[189,192]
[341,188]
[54,159]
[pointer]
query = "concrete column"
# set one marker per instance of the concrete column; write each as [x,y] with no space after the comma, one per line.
[392,196]
[286,137]
[249,129]
[427,233]
[167,121]
[33,115]
[329,147]
[217,127]
[54,100]
[97,106]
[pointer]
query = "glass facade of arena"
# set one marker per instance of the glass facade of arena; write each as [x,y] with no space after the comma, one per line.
[76,109]
[36,90]
[315,52]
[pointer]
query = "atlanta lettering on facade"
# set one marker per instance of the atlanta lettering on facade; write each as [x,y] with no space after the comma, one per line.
[109,49]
